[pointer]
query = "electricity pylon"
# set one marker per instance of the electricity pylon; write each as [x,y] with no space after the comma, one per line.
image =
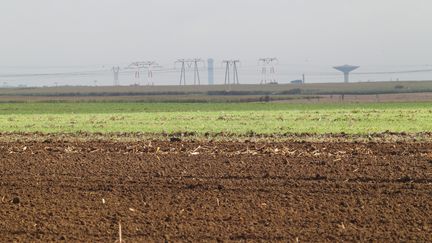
[268,69]
[183,63]
[137,67]
[116,71]
[228,65]
[148,65]
[196,63]
[187,64]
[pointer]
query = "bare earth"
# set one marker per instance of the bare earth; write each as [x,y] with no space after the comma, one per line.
[215,191]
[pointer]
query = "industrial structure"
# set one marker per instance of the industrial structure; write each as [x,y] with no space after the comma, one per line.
[268,69]
[187,64]
[137,67]
[116,71]
[183,63]
[262,70]
[231,64]
[196,63]
[346,69]
[148,65]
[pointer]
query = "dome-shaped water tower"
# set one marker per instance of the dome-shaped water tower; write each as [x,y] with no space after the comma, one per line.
[346,69]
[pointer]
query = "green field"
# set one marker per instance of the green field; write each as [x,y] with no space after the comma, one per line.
[234,119]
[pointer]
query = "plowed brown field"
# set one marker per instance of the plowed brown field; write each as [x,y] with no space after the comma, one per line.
[215,191]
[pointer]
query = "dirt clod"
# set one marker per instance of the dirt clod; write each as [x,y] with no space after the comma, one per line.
[175,139]
[16,200]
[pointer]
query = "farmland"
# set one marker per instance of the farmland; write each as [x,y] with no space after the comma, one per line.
[215,191]
[200,119]
[328,92]
[309,89]
[292,170]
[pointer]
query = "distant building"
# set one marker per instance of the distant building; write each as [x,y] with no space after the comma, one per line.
[298,81]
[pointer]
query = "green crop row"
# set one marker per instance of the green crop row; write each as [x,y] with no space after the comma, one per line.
[237,118]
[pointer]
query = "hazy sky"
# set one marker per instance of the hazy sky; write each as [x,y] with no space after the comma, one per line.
[82,32]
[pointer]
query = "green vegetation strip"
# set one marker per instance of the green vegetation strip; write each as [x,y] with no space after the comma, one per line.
[238,118]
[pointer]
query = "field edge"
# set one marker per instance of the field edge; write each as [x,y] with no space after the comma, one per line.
[390,137]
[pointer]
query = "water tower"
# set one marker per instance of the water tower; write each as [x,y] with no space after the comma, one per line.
[346,69]
[210,71]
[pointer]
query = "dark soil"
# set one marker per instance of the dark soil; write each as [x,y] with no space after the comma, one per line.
[215,191]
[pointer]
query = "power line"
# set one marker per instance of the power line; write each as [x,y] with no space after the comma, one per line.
[396,72]
[231,73]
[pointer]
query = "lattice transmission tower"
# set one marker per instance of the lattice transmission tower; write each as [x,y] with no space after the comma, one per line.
[268,71]
[116,71]
[231,65]
[147,65]
[187,64]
